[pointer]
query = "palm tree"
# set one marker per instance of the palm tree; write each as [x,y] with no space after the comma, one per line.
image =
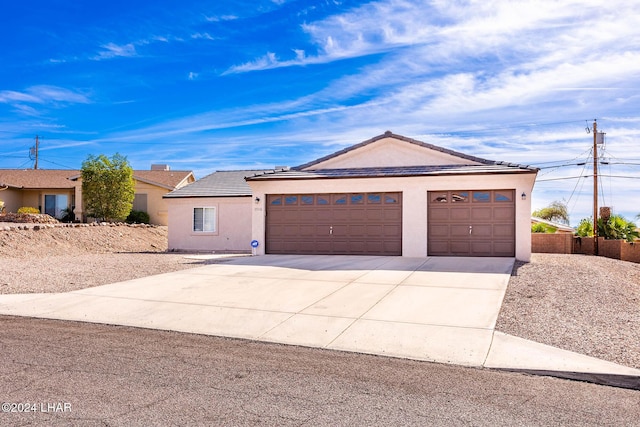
[616,227]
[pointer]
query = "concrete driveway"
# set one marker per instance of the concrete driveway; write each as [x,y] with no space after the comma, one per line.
[438,309]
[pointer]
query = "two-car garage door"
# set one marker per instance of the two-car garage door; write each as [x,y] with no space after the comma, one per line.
[459,223]
[338,223]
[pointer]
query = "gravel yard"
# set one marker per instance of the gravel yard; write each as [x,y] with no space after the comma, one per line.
[586,304]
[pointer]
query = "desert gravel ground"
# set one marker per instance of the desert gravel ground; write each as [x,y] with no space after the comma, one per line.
[582,303]
[586,304]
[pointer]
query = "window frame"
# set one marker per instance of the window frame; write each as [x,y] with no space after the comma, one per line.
[213,222]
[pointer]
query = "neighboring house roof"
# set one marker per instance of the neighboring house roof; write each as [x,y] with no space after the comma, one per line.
[168,179]
[470,165]
[37,178]
[563,228]
[217,184]
[64,178]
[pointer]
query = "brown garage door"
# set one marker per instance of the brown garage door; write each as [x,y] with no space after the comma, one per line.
[471,223]
[347,224]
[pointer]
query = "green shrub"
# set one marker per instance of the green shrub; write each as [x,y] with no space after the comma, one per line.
[542,228]
[139,217]
[28,210]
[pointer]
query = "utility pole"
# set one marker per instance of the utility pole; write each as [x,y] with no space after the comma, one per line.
[595,187]
[34,152]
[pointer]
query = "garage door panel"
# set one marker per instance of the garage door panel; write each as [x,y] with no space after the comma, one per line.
[481,213]
[459,247]
[438,231]
[324,215]
[392,215]
[503,213]
[439,247]
[481,248]
[392,246]
[481,231]
[305,230]
[504,248]
[392,232]
[374,230]
[439,214]
[459,213]
[374,215]
[458,230]
[357,230]
[503,231]
[358,214]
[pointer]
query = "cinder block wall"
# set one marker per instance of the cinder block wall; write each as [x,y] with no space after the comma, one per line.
[631,252]
[610,248]
[560,243]
[583,245]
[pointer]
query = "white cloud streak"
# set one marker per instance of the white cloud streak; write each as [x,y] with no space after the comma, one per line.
[112,50]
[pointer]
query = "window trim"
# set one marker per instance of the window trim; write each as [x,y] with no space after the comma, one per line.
[214,221]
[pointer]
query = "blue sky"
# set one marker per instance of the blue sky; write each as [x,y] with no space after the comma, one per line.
[213,85]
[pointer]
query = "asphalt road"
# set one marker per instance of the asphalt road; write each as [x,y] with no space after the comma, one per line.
[86,374]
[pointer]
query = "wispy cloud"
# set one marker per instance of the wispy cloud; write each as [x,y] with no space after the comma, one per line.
[44,94]
[112,50]
[205,36]
[221,18]
[455,30]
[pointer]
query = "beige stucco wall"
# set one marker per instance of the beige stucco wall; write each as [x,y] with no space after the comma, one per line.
[12,199]
[233,228]
[15,199]
[414,198]
[391,152]
[157,207]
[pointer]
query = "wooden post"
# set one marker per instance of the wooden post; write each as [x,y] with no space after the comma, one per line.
[595,187]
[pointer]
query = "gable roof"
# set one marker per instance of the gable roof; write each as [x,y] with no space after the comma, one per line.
[468,166]
[167,179]
[389,134]
[37,178]
[65,178]
[218,184]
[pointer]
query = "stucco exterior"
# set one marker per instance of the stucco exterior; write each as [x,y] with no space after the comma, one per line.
[156,206]
[233,224]
[452,171]
[414,195]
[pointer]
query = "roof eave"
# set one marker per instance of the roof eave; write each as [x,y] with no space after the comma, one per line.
[407,175]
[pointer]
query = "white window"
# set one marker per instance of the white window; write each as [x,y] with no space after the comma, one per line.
[204,220]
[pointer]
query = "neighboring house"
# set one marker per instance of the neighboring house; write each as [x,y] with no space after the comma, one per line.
[393,195]
[560,228]
[390,195]
[48,190]
[53,191]
[213,214]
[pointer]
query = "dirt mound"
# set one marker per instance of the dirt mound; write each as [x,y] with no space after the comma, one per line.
[46,240]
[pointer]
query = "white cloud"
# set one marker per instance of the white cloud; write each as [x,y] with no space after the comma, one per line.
[112,50]
[205,36]
[44,94]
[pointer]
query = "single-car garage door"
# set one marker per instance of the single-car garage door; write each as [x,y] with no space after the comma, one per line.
[341,223]
[471,223]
